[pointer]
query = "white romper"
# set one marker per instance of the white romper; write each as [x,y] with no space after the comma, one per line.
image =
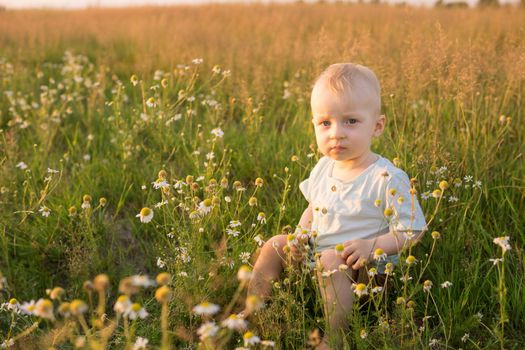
[346,210]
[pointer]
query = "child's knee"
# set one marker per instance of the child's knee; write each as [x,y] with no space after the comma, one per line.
[276,242]
[330,260]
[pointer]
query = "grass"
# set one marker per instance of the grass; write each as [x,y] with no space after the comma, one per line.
[453,93]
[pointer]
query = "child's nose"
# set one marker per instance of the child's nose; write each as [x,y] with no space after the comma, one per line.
[337,131]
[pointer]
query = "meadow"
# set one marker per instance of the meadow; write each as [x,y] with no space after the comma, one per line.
[146,153]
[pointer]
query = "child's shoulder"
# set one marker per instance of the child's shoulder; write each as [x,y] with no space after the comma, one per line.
[385,170]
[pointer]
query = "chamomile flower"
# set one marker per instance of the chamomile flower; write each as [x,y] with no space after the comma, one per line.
[254,303]
[45,211]
[232,232]
[163,294]
[163,278]
[389,268]
[151,102]
[217,132]
[160,183]
[86,201]
[443,185]
[78,307]
[496,261]
[142,281]
[258,239]
[377,289]
[408,235]
[134,80]
[205,206]
[22,166]
[206,309]
[360,289]
[245,257]
[342,267]
[234,322]
[446,284]
[427,285]
[145,215]
[410,260]
[250,338]
[44,309]
[261,217]
[135,311]
[328,273]
[244,274]
[216,69]
[503,242]
[363,334]
[28,307]
[207,330]
[140,343]
[235,223]
[12,305]
[379,254]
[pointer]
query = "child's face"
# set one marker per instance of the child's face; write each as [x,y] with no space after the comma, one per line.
[344,127]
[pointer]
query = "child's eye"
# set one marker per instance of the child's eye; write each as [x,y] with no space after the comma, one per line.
[351,121]
[325,123]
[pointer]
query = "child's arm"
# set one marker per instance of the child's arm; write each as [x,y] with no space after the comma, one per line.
[306,218]
[391,243]
[304,222]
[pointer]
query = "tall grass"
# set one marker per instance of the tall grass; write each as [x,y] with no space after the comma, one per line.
[452,83]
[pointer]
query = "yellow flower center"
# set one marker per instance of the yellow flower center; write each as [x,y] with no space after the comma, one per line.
[145,211]
[360,287]
[122,298]
[411,259]
[248,335]
[136,307]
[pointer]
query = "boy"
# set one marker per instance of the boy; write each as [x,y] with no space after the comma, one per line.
[358,200]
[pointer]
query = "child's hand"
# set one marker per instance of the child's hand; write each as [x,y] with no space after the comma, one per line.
[297,252]
[297,248]
[357,252]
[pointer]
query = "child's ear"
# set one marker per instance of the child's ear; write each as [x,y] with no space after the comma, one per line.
[380,125]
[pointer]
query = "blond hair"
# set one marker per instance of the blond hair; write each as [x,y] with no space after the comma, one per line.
[353,80]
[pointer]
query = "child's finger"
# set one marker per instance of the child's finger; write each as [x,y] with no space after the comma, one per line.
[347,252]
[360,263]
[351,259]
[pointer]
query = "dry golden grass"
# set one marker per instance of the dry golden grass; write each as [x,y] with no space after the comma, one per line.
[411,49]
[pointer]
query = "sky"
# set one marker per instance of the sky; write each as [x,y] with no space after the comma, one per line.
[75,4]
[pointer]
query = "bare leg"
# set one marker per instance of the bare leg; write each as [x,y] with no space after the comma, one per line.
[268,267]
[338,298]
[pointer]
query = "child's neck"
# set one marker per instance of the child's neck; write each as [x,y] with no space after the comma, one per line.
[361,162]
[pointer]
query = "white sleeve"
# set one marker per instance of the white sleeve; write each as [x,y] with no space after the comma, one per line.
[306,185]
[407,214]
